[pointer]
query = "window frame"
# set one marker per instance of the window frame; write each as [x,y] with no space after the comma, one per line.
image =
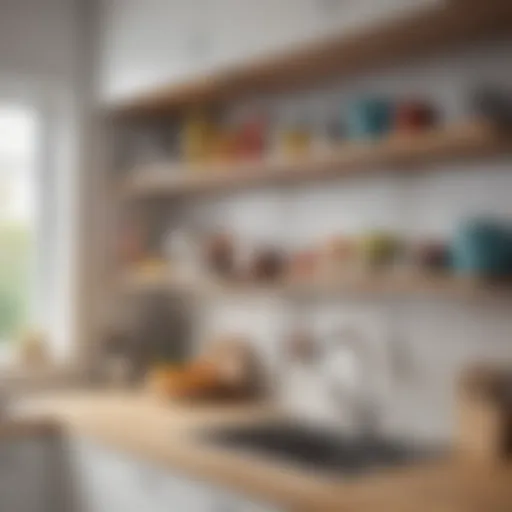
[55,164]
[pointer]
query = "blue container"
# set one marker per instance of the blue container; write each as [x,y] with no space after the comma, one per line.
[370,118]
[483,248]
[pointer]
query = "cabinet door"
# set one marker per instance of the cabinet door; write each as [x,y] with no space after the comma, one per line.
[109,481]
[115,482]
[157,489]
[90,477]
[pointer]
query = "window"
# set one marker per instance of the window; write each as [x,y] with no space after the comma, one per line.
[18,133]
[39,160]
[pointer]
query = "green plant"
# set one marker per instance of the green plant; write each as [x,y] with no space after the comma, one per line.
[16,256]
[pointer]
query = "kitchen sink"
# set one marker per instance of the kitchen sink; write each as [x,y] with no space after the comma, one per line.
[320,450]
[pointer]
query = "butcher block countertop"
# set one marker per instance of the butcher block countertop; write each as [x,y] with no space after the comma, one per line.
[166,434]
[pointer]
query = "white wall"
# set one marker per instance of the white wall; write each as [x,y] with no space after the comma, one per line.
[443,335]
[39,38]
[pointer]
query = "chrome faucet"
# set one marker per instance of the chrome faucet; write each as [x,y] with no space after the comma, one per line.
[366,408]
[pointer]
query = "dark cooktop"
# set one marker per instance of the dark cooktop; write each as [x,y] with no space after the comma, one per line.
[322,450]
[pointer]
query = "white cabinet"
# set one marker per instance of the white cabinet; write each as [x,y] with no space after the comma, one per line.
[109,481]
[151,42]
[112,482]
[147,43]
[28,477]
[98,481]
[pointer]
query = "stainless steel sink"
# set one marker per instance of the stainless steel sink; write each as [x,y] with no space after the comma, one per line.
[322,450]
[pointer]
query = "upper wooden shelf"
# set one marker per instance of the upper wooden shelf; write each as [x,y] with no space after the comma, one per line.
[429,30]
[461,141]
[375,285]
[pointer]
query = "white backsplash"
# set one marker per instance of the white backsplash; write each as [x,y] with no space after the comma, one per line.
[443,335]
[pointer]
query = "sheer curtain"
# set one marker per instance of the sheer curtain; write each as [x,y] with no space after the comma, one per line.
[18,223]
[37,212]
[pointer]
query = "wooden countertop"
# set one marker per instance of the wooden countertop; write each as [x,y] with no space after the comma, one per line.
[163,433]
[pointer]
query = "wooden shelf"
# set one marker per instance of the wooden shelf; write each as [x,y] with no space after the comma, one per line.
[374,285]
[458,142]
[431,29]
